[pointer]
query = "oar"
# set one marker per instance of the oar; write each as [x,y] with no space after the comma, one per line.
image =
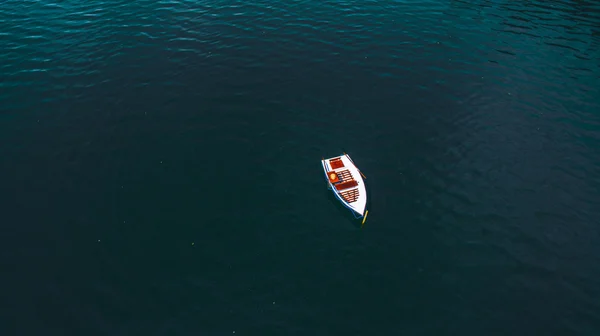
[364,219]
[361,173]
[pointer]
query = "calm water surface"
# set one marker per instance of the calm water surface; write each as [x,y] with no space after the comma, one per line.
[160,167]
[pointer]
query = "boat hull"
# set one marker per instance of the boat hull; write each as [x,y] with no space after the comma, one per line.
[346,182]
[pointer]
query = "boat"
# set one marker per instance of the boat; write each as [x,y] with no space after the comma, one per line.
[346,182]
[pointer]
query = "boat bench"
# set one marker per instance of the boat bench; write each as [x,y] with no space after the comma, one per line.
[346,185]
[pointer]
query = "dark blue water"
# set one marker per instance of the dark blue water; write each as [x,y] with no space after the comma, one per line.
[160,167]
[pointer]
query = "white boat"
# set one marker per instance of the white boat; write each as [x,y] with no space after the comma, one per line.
[346,182]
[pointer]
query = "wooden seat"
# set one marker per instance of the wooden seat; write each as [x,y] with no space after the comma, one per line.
[346,185]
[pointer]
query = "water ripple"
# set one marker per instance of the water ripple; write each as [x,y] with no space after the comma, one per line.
[478,120]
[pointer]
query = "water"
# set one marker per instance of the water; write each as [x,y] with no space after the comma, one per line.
[161,175]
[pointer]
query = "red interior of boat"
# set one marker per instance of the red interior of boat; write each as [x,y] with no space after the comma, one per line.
[336,163]
[345,175]
[350,196]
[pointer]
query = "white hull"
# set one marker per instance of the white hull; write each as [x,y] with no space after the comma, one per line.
[347,183]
